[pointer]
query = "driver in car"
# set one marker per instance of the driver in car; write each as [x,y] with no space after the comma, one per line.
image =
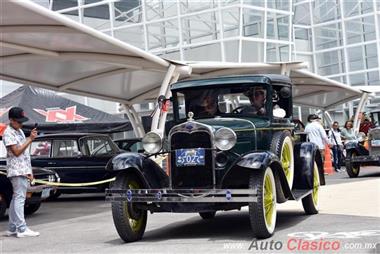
[257,98]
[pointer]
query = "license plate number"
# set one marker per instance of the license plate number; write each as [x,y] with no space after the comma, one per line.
[375,142]
[45,193]
[190,157]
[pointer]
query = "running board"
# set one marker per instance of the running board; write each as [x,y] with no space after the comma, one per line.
[298,194]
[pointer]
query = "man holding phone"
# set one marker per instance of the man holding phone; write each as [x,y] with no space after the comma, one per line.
[19,170]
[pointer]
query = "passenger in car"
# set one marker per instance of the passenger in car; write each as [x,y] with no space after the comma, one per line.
[257,98]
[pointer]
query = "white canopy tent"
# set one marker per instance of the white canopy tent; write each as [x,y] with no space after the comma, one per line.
[42,48]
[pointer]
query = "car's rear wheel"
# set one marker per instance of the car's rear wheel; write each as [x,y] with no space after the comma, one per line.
[311,201]
[282,146]
[207,215]
[130,222]
[31,208]
[3,206]
[353,169]
[263,213]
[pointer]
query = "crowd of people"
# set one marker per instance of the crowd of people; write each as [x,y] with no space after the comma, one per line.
[335,137]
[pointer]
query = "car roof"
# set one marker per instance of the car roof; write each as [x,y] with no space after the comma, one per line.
[127,139]
[259,78]
[70,135]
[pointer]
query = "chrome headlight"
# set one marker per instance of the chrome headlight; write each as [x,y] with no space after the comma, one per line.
[225,139]
[152,142]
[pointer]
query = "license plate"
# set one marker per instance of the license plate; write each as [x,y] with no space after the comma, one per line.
[45,193]
[375,142]
[190,157]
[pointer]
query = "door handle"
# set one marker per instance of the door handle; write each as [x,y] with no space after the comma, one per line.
[51,163]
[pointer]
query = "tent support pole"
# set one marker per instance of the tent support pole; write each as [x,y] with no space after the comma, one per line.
[140,128]
[135,121]
[162,121]
[163,91]
[359,109]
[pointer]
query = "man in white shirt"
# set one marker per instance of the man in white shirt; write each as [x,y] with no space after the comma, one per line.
[316,133]
[19,169]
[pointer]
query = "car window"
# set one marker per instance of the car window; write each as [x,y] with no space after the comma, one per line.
[40,148]
[98,146]
[243,100]
[65,148]
[136,147]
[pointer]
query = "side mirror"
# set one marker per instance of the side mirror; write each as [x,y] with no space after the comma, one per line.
[163,99]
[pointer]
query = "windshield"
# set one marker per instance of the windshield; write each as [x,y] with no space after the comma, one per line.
[205,103]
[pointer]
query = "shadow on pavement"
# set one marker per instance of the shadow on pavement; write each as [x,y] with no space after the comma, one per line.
[53,210]
[225,226]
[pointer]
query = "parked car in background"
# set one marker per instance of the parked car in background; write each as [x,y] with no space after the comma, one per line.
[358,154]
[129,145]
[76,158]
[35,195]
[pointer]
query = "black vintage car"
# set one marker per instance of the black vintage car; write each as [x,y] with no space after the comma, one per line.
[231,145]
[35,195]
[76,157]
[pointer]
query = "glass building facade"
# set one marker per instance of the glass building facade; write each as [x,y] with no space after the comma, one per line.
[340,39]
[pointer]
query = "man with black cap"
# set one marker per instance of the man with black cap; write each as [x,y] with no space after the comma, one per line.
[19,170]
[316,133]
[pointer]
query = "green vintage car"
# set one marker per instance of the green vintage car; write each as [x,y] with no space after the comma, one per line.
[230,145]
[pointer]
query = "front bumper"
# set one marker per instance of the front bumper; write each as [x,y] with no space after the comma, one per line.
[372,159]
[182,195]
[38,193]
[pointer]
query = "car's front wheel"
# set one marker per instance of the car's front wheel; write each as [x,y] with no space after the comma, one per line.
[31,208]
[130,222]
[263,213]
[352,169]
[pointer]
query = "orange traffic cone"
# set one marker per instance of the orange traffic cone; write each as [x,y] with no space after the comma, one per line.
[327,166]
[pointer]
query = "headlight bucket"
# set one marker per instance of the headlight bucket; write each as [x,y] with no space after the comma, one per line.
[152,142]
[225,139]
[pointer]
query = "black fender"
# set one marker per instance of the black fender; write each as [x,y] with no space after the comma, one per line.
[258,160]
[151,174]
[304,155]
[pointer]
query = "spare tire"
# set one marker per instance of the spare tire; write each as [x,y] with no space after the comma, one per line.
[282,146]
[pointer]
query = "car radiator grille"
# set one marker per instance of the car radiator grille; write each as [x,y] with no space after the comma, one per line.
[191,176]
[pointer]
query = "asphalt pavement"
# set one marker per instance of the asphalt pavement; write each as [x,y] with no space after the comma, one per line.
[348,222]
